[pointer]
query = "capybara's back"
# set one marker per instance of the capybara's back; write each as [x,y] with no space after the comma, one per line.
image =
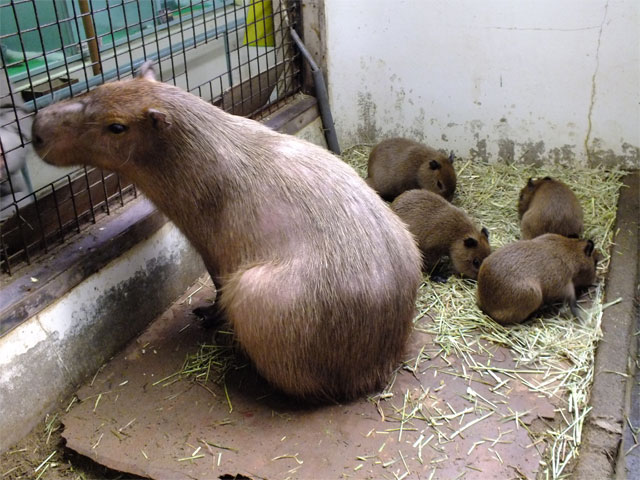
[547,205]
[400,164]
[443,229]
[517,279]
[317,276]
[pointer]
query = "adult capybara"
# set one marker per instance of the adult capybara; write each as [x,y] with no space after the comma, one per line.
[399,164]
[549,206]
[442,229]
[315,274]
[517,279]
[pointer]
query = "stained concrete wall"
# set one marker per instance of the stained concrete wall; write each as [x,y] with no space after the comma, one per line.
[548,80]
[44,357]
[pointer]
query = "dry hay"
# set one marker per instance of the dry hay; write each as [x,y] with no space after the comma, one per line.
[552,342]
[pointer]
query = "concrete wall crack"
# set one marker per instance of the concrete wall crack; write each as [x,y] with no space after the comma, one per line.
[592,100]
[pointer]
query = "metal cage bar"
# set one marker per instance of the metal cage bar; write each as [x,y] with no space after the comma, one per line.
[236,54]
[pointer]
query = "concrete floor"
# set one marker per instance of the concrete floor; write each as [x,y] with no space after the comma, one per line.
[129,420]
[610,430]
[435,421]
[631,440]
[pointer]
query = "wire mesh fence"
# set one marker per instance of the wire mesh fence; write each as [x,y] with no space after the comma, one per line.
[236,54]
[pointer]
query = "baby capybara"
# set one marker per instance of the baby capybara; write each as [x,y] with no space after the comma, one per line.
[549,206]
[442,229]
[315,274]
[399,164]
[517,279]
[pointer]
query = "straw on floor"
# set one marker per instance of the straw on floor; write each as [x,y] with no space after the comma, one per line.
[553,341]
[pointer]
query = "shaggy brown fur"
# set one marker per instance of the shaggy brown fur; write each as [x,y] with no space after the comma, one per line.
[399,164]
[516,280]
[549,206]
[442,229]
[316,275]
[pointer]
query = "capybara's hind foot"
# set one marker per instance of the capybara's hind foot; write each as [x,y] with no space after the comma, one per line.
[573,306]
[211,316]
[438,273]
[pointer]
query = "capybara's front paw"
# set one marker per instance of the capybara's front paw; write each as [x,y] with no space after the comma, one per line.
[211,316]
[439,278]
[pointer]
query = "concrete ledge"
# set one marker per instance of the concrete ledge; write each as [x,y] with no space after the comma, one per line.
[43,358]
[293,118]
[73,262]
[603,427]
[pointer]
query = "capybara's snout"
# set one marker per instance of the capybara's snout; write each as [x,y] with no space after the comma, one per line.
[53,126]
[37,138]
[42,129]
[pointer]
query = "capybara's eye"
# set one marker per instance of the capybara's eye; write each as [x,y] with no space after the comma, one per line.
[440,185]
[117,128]
[476,263]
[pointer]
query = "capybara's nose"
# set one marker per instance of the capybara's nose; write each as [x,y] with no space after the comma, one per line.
[37,140]
[36,133]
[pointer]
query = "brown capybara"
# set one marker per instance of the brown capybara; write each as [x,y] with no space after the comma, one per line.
[315,274]
[517,279]
[399,164]
[442,229]
[549,206]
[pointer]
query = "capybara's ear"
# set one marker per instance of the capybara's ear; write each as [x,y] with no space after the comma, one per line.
[159,118]
[451,157]
[485,232]
[588,249]
[146,71]
[433,165]
[470,242]
[530,183]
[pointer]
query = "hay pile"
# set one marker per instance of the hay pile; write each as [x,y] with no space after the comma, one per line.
[559,345]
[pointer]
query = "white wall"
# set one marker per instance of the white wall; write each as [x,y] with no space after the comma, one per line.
[494,79]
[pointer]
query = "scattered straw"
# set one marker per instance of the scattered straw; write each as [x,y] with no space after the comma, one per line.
[294,457]
[215,445]
[11,470]
[95,406]
[45,461]
[473,422]
[73,400]
[51,426]
[552,345]
[211,362]
[95,445]
[192,457]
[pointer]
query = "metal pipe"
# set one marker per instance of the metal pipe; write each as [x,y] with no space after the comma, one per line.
[90,33]
[321,95]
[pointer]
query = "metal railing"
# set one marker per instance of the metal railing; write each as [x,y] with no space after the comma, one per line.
[235,54]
